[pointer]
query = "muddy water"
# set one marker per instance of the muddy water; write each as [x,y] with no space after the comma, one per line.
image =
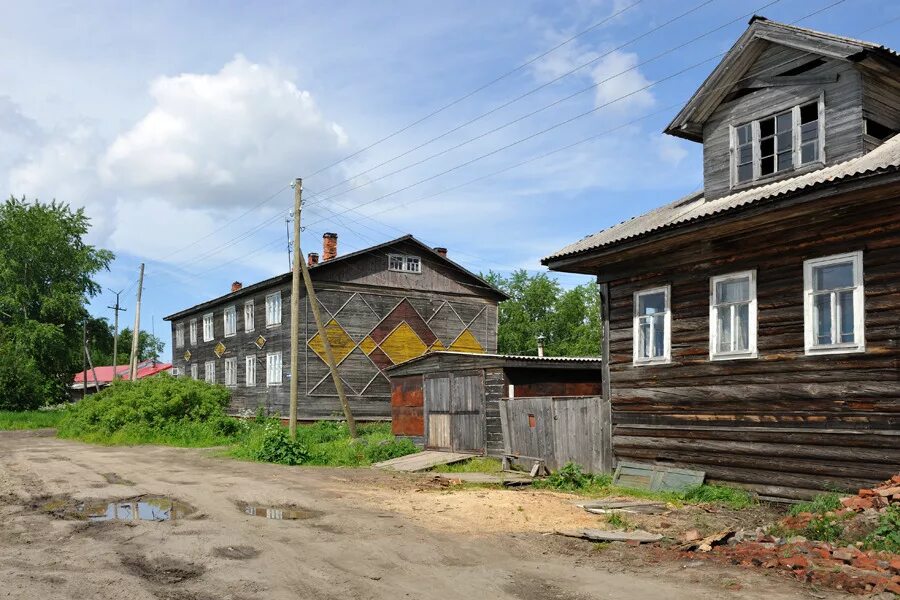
[279,513]
[144,508]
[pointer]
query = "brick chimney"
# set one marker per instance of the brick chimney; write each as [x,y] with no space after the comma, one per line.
[236,286]
[329,246]
[312,259]
[441,251]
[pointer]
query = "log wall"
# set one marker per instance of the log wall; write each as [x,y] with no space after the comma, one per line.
[784,423]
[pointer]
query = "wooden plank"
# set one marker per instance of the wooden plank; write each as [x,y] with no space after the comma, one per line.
[422,461]
[600,535]
[606,457]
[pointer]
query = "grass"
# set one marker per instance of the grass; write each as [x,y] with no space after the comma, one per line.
[617,520]
[481,464]
[571,479]
[29,419]
[181,434]
[822,503]
[328,443]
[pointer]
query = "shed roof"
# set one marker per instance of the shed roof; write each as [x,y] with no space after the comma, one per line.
[496,360]
[105,374]
[693,207]
[323,267]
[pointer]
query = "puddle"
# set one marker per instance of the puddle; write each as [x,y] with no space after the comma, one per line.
[143,508]
[280,513]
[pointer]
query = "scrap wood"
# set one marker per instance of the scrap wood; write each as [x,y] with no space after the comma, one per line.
[600,535]
[627,506]
[707,543]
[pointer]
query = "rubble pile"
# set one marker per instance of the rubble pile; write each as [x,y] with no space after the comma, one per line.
[843,563]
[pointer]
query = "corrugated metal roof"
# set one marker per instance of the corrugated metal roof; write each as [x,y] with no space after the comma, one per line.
[695,206]
[508,357]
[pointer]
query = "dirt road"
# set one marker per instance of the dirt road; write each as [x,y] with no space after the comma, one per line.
[356,545]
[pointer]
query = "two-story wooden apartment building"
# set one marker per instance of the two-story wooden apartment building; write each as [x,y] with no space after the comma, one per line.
[752,330]
[382,305]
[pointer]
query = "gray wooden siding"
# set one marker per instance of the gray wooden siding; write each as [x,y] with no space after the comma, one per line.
[318,398]
[555,430]
[843,112]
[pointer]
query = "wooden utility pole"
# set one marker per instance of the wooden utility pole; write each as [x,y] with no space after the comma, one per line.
[116,308]
[87,356]
[133,362]
[298,269]
[84,359]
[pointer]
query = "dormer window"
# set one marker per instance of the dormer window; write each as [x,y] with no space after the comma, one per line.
[404,263]
[777,143]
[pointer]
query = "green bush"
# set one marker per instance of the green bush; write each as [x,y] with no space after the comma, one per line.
[153,410]
[570,477]
[274,444]
[824,528]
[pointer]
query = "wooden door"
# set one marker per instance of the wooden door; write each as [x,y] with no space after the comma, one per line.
[437,412]
[466,416]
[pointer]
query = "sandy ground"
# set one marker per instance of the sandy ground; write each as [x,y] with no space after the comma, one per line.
[374,535]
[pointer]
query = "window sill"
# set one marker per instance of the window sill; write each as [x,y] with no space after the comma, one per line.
[273,325]
[741,356]
[779,176]
[228,335]
[273,384]
[836,349]
[650,362]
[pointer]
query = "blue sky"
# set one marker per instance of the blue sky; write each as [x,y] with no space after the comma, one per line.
[168,121]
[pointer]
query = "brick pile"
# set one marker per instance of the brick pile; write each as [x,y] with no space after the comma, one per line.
[844,567]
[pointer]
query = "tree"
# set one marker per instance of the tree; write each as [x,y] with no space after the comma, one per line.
[100,335]
[46,272]
[569,320]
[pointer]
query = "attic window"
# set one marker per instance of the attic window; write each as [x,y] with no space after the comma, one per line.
[877,130]
[777,143]
[404,263]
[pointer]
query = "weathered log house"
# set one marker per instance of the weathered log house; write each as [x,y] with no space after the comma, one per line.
[382,306]
[752,330]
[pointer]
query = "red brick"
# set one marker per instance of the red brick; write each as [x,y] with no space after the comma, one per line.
[866,563]
[895,564]
[795,562]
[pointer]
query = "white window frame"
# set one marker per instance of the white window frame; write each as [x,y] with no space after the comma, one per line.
[667,320]
[250,371]
[229,320]
[405,263]
[274,369]
[249,317]
[271,313]
[193,328]
[231,371]
[209,327]
[751,351]
[794,108]
[859,299]
[195,371]
[209,371]
[179,335]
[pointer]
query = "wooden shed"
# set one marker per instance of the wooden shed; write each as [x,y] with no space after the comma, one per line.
[455,401]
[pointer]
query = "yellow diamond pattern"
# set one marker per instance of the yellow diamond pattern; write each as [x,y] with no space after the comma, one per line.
[437,346]
[219,349]
[341,343]
[403,344]
[466,342]
[187,355]
[367,345]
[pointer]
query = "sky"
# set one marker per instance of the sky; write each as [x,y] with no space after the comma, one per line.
[179,126]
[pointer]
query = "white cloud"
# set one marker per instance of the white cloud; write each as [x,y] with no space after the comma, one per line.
[213,140]
[617,76]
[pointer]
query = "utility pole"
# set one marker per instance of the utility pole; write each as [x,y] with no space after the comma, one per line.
[299,267]
[90,362]
[84,359]
[116,308]
[137,328]
[287,233]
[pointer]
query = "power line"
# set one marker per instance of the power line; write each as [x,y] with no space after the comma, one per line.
[558,78]
[245,235]
[479,89]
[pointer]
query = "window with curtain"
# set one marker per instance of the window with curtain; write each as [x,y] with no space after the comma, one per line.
[733,316]
[834,304]
[652,323]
